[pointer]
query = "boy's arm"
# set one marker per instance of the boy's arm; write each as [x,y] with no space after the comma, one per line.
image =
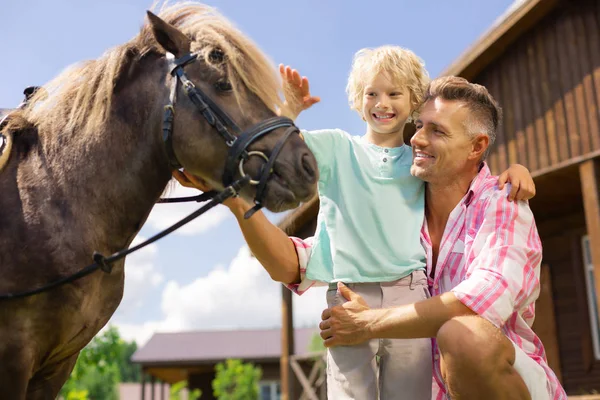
[522,185]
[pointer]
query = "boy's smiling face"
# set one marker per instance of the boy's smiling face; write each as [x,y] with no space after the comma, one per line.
[386,105]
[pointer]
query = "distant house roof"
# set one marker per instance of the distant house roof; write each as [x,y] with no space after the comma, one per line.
[208,347]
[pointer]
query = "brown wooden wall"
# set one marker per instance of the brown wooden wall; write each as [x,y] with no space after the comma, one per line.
[548,83]
[562,252]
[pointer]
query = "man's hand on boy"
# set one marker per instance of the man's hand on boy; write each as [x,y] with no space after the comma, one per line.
[297,92]
[346,324]
[520,178]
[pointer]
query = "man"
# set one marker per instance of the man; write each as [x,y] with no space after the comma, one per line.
[483,263]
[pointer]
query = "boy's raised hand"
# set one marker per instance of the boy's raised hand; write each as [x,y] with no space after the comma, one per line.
[296,91]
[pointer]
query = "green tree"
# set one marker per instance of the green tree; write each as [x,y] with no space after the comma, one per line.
[101,365]
[176,392]
[236,380]
[316,344]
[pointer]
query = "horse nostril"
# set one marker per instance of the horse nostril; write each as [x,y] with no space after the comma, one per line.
[308,164]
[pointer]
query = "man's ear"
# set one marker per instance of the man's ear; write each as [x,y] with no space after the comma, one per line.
[478,146]
[168,37]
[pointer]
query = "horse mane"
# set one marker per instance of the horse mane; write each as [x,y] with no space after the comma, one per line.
[81,96]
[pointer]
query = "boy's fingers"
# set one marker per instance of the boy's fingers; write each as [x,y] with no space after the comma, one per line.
[305,85]
[297,78]
[513,192]
[282,71]
[313,100]
[502,180]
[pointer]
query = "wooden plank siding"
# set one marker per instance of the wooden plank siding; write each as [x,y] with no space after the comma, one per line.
[548,83]
[562,252]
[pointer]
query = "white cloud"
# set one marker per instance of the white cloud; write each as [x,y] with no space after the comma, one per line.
[239,296]
[165,215]
[141,277]
[140,333]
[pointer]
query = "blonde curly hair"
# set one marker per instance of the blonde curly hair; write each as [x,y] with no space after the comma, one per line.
[402,65]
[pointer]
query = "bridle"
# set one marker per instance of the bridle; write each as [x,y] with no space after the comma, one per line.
[237,155]
[238,152]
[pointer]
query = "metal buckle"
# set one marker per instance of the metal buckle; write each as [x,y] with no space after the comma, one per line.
[241,165]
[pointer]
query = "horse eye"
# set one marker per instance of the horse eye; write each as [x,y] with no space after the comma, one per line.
[216,56]
[223,86]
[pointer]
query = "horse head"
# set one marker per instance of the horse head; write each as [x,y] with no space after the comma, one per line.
[220,119]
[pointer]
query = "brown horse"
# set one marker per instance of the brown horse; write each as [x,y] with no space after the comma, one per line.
[89,162]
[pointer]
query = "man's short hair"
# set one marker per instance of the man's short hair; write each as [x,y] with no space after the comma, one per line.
[485,115]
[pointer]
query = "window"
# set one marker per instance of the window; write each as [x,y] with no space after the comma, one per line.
[270,390]
[590,284]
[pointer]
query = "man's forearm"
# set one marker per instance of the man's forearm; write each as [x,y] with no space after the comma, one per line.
[269,244]
[418,320]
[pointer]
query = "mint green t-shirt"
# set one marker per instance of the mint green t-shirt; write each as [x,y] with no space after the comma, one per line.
[371,210]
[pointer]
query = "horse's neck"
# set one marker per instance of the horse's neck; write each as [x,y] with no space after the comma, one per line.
[111,179]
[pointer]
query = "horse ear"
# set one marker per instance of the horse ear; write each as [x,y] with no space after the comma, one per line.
[170,38]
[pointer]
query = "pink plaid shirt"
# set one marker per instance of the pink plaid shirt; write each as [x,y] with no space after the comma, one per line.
[489,257]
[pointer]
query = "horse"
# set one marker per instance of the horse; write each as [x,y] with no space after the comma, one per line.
[93,152]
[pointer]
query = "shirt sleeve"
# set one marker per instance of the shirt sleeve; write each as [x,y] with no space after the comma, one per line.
[303,249]
[322,143]
[504,269]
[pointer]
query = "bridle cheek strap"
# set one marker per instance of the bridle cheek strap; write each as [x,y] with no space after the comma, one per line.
[216,117]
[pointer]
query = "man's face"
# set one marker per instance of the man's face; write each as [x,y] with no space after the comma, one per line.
[442,147]
[386,105]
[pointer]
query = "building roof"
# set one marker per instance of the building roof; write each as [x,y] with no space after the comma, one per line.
[518,19]
[207,347]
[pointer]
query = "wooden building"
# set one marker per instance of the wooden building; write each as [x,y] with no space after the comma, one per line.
[542,62]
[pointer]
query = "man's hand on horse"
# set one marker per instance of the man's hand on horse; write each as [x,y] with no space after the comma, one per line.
[296,91]
[192,181]
[348,323]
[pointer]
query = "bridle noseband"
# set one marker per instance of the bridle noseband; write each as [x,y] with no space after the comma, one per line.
[238,152]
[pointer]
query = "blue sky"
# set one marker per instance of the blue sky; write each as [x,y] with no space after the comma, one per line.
[203,278]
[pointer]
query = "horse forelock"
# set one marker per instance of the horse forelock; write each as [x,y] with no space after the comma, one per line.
[209,30]
[81,96]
